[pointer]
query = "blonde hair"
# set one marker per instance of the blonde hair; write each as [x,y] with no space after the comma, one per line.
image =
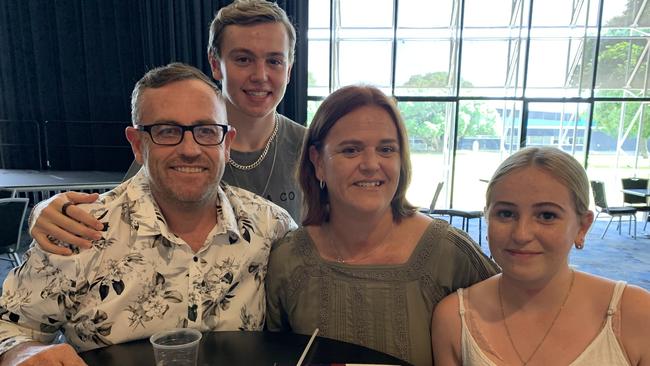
[248,12]
[562,166]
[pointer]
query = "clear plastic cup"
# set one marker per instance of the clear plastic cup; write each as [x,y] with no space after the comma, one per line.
[176,347]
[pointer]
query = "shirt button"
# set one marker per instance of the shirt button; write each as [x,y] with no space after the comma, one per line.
[196,259]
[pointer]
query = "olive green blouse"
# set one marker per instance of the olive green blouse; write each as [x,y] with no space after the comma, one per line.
[383,307]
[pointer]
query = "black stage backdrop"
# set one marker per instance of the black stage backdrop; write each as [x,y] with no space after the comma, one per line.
[67,68]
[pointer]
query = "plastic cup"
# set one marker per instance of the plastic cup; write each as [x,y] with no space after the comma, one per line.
[176,347]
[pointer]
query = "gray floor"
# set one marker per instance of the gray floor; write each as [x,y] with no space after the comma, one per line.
[618,257]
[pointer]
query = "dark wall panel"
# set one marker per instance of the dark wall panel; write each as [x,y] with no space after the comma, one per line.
[77,60]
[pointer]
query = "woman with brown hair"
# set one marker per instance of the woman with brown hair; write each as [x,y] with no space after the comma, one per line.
[365,267]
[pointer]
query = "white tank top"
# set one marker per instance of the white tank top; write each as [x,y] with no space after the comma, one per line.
[603,350]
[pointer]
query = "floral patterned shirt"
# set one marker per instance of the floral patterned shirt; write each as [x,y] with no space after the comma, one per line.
[141,278]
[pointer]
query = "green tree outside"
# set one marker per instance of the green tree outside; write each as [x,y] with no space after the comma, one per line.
[620,51]
[427,120]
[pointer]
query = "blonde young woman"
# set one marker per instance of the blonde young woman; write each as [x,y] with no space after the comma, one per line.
[366,267]
[540,311]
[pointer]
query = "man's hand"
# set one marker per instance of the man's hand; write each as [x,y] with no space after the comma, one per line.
[38,354]
[76,227]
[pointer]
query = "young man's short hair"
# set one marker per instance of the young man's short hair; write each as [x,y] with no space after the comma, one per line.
[248,12]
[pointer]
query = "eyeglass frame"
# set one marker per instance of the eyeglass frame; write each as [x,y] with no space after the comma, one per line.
[147,128]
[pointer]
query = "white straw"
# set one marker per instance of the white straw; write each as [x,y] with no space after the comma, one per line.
[304,353]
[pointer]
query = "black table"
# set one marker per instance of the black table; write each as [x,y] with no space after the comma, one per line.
[32,180]
[40,185]
[247,348]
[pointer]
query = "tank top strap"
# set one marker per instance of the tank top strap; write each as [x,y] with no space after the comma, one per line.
[616,297]
[461,303]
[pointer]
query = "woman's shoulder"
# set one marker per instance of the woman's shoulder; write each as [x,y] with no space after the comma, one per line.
[636,304]
[475,299]
[602,290]
[481,296]
[433,230]
[446,330]
[477,296]
[444,311]
[635,323]
[415,227]
[631,301]
[635,311]
[288,254]
[633,308]
[457,247]
[442,233]
[290,241]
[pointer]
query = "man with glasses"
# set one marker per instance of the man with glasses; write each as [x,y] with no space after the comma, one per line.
[251,52]
[178,249]
[170,134]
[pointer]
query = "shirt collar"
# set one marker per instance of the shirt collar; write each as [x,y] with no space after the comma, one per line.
[151,221]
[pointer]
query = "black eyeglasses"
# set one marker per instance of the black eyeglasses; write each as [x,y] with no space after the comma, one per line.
[169,134]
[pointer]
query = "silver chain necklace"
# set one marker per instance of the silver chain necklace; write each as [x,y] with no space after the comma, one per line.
[259,160]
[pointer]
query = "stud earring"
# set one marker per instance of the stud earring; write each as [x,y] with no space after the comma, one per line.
[579,246]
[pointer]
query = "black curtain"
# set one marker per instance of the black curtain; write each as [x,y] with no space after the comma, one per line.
[294,104]
[67,69]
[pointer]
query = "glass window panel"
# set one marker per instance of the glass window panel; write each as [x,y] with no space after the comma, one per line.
[365,33]
[427,123]
[551,76]
[562,125]
[618,13]
[312,107]
[562,59]
[357,13]
[484,68]
[318,91]
[622,67]
[319,33]
[619,141]
[425,33]
[365,62]
[318,74]
[493,13]
[424,14]
[488,33]
[508,125]
[423,68]
[488,132]
[563,32]
[550,13]
[319,14]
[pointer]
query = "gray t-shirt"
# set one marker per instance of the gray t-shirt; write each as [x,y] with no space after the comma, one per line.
[274,178]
